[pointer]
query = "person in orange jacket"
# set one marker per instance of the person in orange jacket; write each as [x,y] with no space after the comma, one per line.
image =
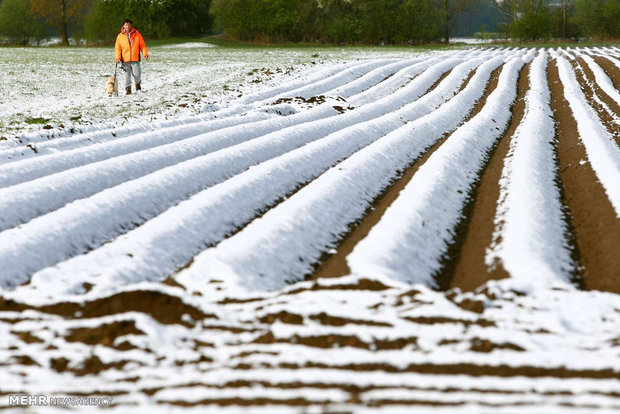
[129,45]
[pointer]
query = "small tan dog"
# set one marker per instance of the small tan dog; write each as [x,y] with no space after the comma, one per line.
[111,87]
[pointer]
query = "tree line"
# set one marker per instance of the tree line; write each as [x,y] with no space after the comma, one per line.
[99,21]
[318,21]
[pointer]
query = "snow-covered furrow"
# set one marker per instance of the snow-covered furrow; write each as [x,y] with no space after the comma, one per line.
[61,140]
[209,216]
[601,106]
[284,244]
[398,80]
[31,199]
[16,173]
[119,208]
[96,132]
[608,51]
[601,148]
[529,220]
[340,79]
[602,79]
[110,134]
[269,93]
[385,396]
[207,355]
[314,89]
[40,166]
[389,78]
[337,378]
[372,78]
[414,233]
[176,132]
[215,337]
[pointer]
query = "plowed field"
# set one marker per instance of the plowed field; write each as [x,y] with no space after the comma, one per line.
[388,235]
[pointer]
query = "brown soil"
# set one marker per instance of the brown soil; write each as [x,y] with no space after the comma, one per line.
[323,318]
[610,69]
[362,284]
[591,89]
[336,264]
[330,320]
[27,337]
[336,341]
[242,402]
[283,317]
[438,320]
[470,270]
[474,370]
[592,218]
[104,334]
[90,366]
[352,388]
[486,346]
[164,308]
[24,360]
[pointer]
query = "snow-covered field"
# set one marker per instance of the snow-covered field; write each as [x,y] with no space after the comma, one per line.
[65,86]
[272,231]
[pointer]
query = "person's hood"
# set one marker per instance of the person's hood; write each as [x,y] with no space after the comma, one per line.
[133,30]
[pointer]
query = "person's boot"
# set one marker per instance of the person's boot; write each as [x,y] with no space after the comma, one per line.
[138,88]
[128,90]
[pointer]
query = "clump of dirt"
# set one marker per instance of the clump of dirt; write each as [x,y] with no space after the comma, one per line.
[336,341]
[164,308]
[329,320]
[24,360]
[90,366]
[27,337]
[437,320]
[313,100]
[486,346]
[360,284]
[342,109]
[466,303]
[284,317]
[104,334]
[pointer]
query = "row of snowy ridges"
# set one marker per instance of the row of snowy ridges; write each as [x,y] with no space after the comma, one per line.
[201,358]
[145,203]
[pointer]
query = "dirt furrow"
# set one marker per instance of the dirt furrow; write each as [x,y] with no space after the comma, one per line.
[284,197]
[592,91]
[470,369]
[335,265]
[610,69]
[591,216]
[468,270]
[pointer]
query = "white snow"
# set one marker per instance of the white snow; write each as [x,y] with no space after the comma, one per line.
[601,148]
[413,234]
[237,200]
[529,219]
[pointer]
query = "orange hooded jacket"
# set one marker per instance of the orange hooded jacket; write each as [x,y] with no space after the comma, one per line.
[128,48]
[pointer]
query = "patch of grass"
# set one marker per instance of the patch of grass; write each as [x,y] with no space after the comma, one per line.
[33,121]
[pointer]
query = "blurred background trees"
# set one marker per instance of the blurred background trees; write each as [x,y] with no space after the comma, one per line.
[376,22]
[17,24]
